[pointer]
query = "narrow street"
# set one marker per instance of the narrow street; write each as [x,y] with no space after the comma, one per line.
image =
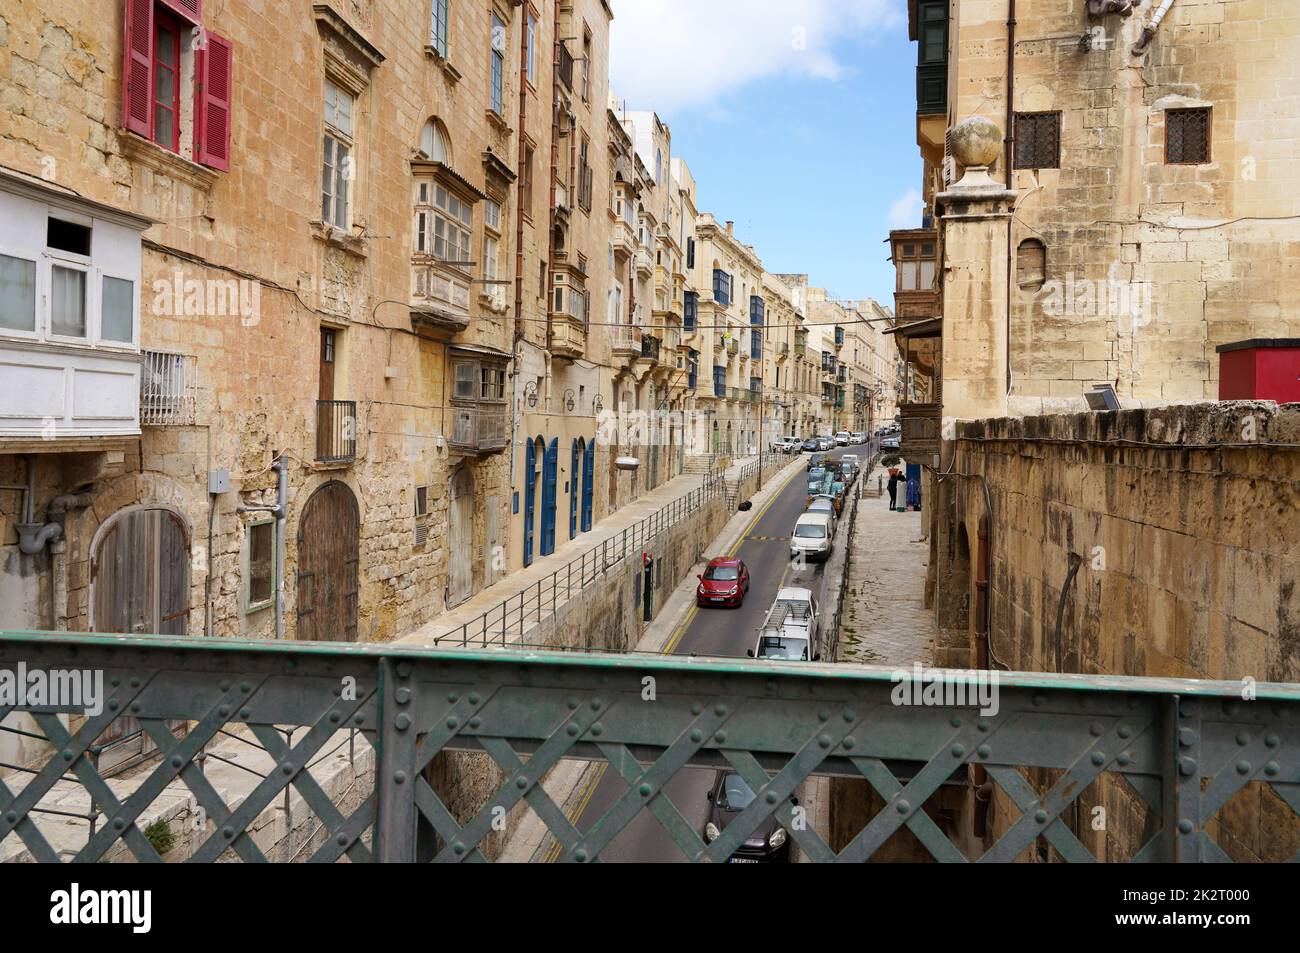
[712,632]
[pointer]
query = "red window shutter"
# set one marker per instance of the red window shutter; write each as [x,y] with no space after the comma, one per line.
[212,123]
[137,73]
[189,10]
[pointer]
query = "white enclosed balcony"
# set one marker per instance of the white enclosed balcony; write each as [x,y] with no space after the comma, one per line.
[70,302]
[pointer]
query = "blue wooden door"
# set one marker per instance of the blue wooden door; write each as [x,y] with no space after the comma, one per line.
[573,491]
[588,484]
[530,495]
[550,468]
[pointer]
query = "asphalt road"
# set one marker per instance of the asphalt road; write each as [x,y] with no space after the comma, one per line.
[765,548]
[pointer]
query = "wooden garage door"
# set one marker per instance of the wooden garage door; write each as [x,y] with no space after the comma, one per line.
[460,539]
[141,573]
[329,549]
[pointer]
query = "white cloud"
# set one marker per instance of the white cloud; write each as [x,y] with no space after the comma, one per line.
[672,55]
[906,210]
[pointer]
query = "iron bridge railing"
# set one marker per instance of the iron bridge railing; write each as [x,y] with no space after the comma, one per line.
[1183,748]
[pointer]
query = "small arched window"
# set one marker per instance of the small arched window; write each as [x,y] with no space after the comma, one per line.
[434,144]
[1031,264]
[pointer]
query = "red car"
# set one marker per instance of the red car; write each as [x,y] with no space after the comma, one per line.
[724,583]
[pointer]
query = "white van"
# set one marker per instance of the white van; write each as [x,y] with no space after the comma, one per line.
[813,536]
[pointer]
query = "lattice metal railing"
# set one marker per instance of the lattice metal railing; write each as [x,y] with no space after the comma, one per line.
[1184,748]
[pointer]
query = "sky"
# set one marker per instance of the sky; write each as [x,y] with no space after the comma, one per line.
[796,117]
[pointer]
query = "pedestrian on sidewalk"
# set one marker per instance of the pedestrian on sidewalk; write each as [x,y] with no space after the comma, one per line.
[895,475]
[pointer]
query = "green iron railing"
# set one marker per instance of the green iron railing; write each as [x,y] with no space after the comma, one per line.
[1184,748]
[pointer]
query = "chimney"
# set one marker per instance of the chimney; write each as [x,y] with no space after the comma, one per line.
[731,227]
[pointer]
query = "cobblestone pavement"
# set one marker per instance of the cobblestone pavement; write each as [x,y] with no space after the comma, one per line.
[885,621]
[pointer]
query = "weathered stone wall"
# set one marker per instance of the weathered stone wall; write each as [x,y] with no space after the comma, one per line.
[1149,264]
[1184,521]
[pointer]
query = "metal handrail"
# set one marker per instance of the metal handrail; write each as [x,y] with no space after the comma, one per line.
[523,610]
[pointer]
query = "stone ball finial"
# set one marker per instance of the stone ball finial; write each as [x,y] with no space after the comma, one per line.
[976,141]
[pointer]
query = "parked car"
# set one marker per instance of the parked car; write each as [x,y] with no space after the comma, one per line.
[724,582]
[824,503]
[816,460]
[729,796]
[890,442]
[826,443]
[784,444]
[812,537]
[849,470]
[792,629]
[811,445]
[851,458]
[859,438]
[842,438]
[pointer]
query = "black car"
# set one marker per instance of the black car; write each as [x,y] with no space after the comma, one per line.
[816,460]
[809,446]
[769,843]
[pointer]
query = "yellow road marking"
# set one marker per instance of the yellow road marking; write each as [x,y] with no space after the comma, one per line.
[676,639]
[598,774]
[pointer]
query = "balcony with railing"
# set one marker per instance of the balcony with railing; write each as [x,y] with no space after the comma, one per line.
[168,388]
[336,431]
[480,428]
[651,347]
[733,345]
[625,339]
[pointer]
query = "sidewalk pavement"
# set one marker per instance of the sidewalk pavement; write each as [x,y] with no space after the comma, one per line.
[885,621]
[520,581]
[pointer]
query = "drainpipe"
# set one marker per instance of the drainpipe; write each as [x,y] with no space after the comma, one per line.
[1009,145]
[34,537]
[517,338]
[555,163]
[281,513]
[1149,31]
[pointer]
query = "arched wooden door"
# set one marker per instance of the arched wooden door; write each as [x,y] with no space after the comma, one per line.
[329,555]
[460,538]
[550,477]
[141,574]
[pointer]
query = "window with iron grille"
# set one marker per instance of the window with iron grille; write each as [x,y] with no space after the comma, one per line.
[1187,136]
[1038,141]
[168,385]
